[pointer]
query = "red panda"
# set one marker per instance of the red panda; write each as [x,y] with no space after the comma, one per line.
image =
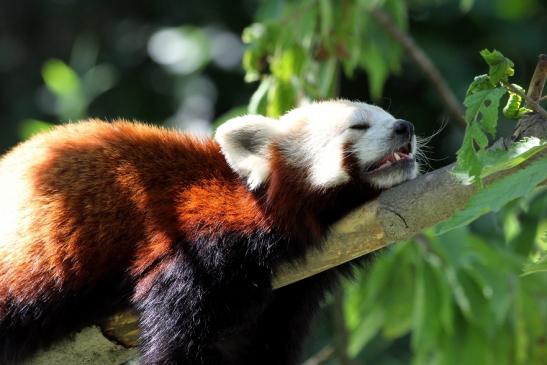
[97,216]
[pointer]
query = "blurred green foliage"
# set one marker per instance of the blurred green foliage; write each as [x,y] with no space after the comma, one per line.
[476,294]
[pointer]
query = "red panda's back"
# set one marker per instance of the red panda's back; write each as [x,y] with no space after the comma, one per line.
[86,198]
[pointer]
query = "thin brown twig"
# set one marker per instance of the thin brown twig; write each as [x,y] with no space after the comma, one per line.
[321,357]
[420,58]
[537,83]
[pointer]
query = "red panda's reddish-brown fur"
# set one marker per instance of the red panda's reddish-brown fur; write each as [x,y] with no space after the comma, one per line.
[93,203]
[119,196]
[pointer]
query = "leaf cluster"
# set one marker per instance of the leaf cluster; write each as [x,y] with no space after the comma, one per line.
[482,104]
[296,49]
[460,296]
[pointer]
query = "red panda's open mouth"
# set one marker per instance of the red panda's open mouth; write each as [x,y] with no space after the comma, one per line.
[399,156]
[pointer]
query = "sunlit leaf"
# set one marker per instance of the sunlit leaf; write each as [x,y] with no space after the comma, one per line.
[519,152]
[481,117]
[482,107]
[366,330]
[501,67]
[60,78]
[488,162]
[281,98]
[536,267]
[288,64]
[259,100]
[480,83]
[513,108]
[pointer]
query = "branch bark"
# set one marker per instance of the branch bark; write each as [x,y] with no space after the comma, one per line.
[539,77]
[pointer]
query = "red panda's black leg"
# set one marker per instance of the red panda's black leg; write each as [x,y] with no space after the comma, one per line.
[196,300]
[284,325]
[174,321]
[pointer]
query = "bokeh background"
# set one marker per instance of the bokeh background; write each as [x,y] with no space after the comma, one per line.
[179,63]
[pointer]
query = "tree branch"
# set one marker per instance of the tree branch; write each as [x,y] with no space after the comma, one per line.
[420,58]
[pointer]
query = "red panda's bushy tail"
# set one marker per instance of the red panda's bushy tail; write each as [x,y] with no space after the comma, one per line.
[28,325]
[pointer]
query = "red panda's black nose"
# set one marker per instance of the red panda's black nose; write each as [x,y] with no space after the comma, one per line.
[403,128]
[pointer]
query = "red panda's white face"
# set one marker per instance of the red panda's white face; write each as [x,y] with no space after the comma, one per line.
[322,139]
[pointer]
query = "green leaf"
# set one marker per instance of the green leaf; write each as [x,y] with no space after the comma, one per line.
[466,5]
[536,267]
[482,108]
[327,77]
[260,39]
[496,195]
[398,318]
[270,9]
[469,165]
[259,99]
[488,162]
[446,310]
[478,312]
[367,329]
[500,159]
[495,287]
[281,98]
[374,62]
[327,17]
[31,127]
[513,107]
[426,317]
[521,336]
[288,64]
[60,78]
[501,67]
[481,117]
[480,83]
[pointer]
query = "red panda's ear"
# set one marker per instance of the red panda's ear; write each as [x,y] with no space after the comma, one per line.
[244,142]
